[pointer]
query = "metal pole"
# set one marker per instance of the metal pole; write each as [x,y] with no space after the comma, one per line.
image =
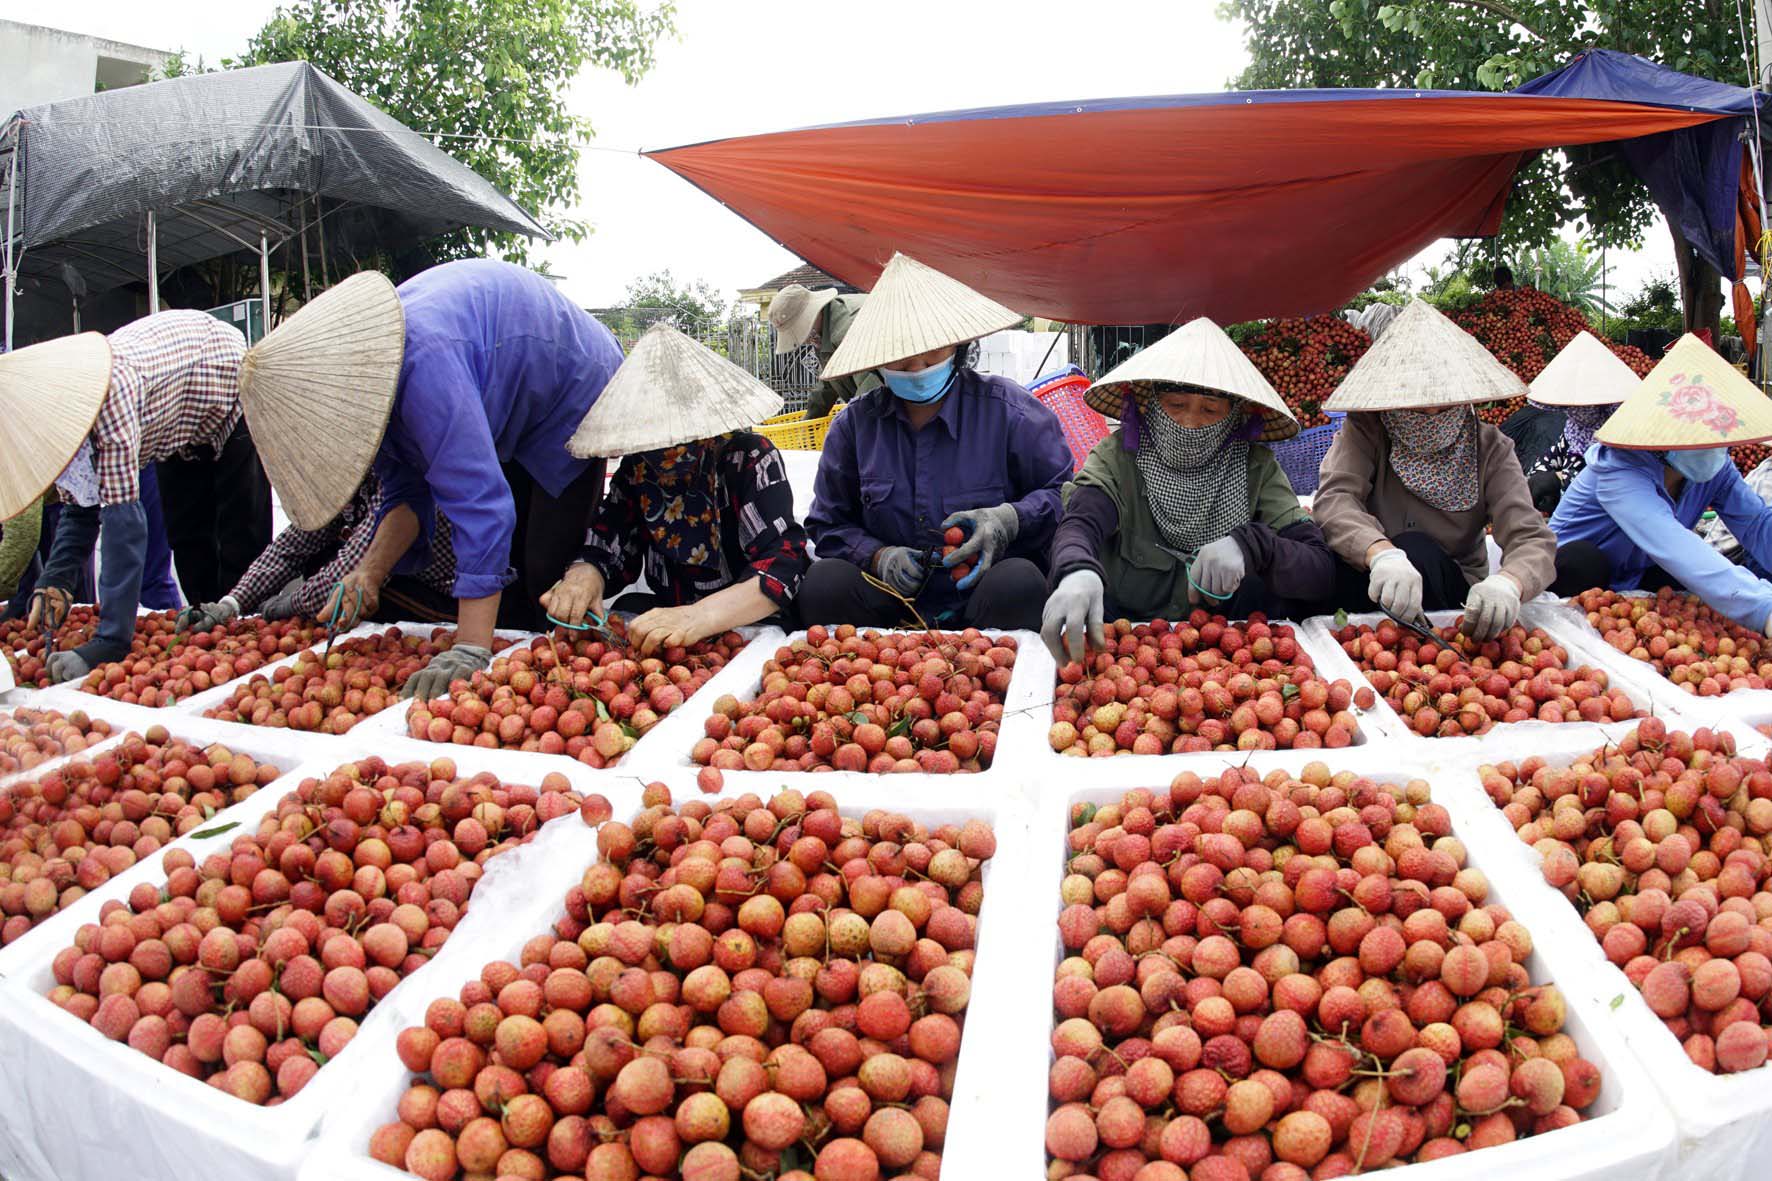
[320,233]
[153,265]
[11,191]
[264,279]
[307,282]
[76,303]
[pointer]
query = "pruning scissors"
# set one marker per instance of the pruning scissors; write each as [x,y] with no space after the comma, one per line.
[1422,629]
[596,623]
[55,613]
[338,607]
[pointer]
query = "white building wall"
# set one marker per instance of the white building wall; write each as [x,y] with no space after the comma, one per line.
[41,65]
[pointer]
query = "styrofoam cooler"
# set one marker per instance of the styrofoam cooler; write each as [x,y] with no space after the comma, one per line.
[1006,961]
[1626,1133]
[83,1106]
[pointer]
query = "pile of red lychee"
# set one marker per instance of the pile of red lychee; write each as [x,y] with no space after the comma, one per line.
[735,991]
[29,737]
[1681,638]
[165,665]
[847,700]
[1660,843]
[1460,687]
[330,693]
[1202,684]
[253,968]
[72,829]
[589,700]
[1287,978]
[30,666]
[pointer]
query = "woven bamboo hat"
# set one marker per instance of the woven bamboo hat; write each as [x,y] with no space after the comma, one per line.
[1692,399]
[1424,360]
[1198,356]
[318,391]
[50,394]
[1585,373]
[911,310]
[670,390]
[793,311]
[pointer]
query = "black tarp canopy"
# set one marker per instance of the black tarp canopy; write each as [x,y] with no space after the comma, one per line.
[222,162]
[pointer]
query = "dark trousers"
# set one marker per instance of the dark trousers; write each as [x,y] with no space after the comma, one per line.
[1009,595]
[217,508]
[159,590]
[1581,565]
[1443,584]
[550,535]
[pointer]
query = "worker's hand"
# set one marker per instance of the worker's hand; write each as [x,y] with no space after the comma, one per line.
[1492,608]
[49,608]
[1073,610]
[1395,584]
[578,593]
[67,666]
[282,604]
[209,615]
[459,663]
[1217,571]
[670,627]
[901,568]
[360,593]
[989,532]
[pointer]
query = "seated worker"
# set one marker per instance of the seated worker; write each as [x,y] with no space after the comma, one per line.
[1626,522]
[820,319]
[1586,381]
[700,504]
[1180,507]
[1414,480]
[941,447]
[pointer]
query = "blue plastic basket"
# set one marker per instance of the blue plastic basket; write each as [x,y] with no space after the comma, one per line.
[1302,454]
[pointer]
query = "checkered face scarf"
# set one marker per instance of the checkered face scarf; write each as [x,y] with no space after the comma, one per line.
[1435,455]
[1196,479]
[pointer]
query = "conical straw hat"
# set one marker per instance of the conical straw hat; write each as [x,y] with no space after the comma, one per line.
[1585,373]
[1200,355]
[911,310]
[1424,360]
[318,391]
[50,394]
[1692,399]
[670,390]
[793,311]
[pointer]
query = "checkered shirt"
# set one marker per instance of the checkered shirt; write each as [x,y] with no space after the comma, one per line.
[175,385]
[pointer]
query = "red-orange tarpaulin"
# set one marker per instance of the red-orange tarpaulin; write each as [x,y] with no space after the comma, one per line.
[1233,205]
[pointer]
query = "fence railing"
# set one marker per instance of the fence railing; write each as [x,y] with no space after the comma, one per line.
[746,341]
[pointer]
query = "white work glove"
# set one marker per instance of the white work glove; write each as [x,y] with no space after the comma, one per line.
[989,532]
[67,666]
[195,618]
[458,663]
[1074,605]
[901,568]
[1218,569]
[1395,584]
[1492,608]
[282,604]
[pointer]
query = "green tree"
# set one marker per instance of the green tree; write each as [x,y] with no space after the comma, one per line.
[1496,45]
[484,79]
[690,302]
[1568,270]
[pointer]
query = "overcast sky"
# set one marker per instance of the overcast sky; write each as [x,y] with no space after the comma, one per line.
[742,67]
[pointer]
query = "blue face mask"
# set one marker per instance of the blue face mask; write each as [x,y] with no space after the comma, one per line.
[1700,466]
[926,385]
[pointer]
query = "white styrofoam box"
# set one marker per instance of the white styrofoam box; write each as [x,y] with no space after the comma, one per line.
[1007,960]
[7,712]
[1723,1122]
[1627,1133]
[144,1120]
[1504,736]
[215,695]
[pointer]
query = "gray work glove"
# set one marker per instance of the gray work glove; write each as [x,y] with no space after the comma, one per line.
[195,618]
[989,532]
[1218,568]
[901,568]
[67,666]
[458,663]
[282,604]
[1492,608]
[1395,584]
[1073,608]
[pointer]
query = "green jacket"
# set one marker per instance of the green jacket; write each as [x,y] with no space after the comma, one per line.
[836,318]
[18,541]
[1142,576]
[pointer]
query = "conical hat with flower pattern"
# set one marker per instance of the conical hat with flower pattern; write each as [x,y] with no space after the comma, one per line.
[1693,399]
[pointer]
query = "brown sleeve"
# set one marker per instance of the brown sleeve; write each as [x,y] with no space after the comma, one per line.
[1344,483]
[1528,547]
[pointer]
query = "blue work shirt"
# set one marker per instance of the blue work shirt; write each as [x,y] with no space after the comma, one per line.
[1620,503]
[881,483]
[499,367]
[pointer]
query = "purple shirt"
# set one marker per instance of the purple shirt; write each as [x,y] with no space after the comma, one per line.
[882,483]
[499,368]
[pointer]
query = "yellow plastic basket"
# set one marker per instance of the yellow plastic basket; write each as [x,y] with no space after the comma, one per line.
[790,432]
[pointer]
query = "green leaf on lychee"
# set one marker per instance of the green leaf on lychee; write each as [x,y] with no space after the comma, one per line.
[857,717]
[1617,1000]
[1288,692]
[319,1058]
[216,831]
[1341,617]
